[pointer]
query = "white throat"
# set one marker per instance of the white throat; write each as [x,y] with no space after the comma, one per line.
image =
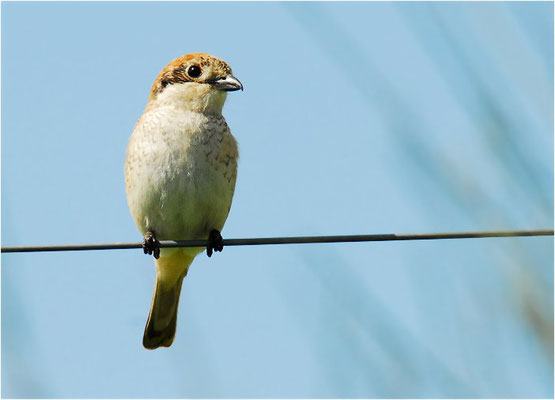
[195,97]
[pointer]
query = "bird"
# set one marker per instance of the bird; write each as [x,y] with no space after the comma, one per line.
[180,175]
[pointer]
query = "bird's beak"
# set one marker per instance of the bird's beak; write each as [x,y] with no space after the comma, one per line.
[229,84]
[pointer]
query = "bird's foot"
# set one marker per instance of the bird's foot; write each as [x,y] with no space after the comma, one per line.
[151,245]
[215,242]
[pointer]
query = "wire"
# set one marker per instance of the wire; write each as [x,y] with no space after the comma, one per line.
[286,240]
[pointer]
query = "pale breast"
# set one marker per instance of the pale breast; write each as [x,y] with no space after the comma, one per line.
[180,173]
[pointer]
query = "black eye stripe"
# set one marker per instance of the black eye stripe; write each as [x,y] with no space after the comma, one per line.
[194,71]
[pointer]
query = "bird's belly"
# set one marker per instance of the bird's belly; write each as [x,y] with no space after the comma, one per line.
[191,204]
[180,174]
[182,197]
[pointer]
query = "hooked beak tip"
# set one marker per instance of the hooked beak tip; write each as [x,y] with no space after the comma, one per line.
[229,84]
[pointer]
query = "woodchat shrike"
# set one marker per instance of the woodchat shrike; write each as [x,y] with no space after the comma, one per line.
[180,175]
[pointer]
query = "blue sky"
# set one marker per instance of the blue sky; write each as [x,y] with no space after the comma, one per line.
[356,118]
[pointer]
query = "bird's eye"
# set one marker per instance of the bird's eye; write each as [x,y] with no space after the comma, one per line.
[194,71]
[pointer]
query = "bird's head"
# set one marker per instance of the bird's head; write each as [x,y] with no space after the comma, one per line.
[197,82]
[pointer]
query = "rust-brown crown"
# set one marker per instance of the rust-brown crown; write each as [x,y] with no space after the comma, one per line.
[193,67]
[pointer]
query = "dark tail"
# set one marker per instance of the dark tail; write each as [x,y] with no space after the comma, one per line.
[160,327]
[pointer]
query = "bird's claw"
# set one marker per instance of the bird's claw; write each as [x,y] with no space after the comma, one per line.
[215,242]
[151,245]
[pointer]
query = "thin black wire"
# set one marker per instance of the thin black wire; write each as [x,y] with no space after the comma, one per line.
[286,240]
